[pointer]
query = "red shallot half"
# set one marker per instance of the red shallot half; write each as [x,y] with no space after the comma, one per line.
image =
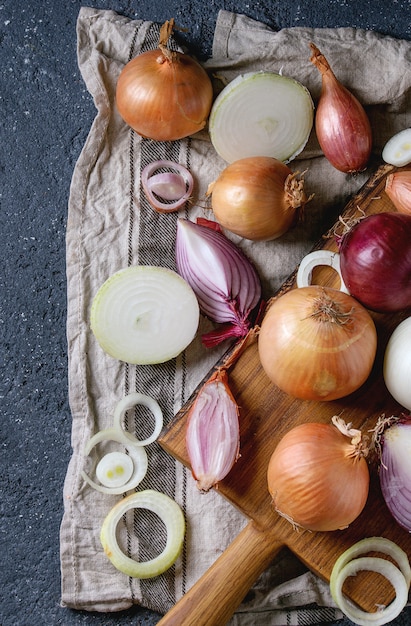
[224,280]
[341,123]
[213,432]
[392,438]
[167,185]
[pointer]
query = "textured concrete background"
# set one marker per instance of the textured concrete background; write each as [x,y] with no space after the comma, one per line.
[45,117]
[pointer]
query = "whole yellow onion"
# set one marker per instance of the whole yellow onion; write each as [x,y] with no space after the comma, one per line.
[258,198]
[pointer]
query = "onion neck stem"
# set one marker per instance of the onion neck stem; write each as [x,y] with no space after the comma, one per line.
[294,189]
[319,60]
[360,448]
[165,34]
[325,309]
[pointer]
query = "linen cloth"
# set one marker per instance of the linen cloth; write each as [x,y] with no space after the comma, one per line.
[111,226]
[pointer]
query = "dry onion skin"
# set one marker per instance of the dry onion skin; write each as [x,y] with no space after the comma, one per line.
[258,198]
[261,114]
[317,343]
[318,475]
[164,94]
[144,314]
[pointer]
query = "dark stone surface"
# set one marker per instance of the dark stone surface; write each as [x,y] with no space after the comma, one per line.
[45,117]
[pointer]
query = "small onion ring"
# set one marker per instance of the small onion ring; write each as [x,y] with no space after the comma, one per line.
[167,510]
[137,453]
[150,182]
[374,564]
[128,402]
[314,259]
[115,469]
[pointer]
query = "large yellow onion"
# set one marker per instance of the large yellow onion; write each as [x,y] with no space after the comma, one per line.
[164,94]
[258,198]
[318,476]
[317,343]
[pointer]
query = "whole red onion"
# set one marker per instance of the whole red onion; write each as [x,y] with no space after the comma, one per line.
[375,260]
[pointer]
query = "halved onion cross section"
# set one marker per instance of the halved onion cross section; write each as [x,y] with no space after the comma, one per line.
[261,114]
[144,315]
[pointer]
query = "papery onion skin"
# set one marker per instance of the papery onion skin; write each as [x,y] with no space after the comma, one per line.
[375,260]
[164,95]
[341,123]
[318,479]
[258,198]
[317,343]
[398,189]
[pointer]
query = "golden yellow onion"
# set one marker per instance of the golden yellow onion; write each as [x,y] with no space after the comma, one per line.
[318,476]
[317,343]
[258,198]
[164,94]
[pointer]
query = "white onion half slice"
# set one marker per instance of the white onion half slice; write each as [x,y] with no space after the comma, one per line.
[144,315]
[261,114]
[397,150]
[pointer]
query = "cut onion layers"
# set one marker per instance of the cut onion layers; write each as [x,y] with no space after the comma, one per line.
[145,315]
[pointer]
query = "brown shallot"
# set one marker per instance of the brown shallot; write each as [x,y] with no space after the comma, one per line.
[341,123]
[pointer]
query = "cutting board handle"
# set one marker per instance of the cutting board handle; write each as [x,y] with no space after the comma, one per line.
[216,595]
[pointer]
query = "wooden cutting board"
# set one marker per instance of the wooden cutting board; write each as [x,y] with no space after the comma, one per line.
[266,414]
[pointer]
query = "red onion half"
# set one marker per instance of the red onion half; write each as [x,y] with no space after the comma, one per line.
[226,284]
[375,261]
[393,438]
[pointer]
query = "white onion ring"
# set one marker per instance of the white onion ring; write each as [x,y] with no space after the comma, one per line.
[314,259]
[348,565]
[373,564]
[137,453]
[167,184]
[130,401]
[168,511]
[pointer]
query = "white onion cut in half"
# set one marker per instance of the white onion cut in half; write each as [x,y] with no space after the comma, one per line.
[397,150]
[261,114]
[144,315]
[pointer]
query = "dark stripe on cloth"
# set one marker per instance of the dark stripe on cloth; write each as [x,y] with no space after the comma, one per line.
[155,246]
